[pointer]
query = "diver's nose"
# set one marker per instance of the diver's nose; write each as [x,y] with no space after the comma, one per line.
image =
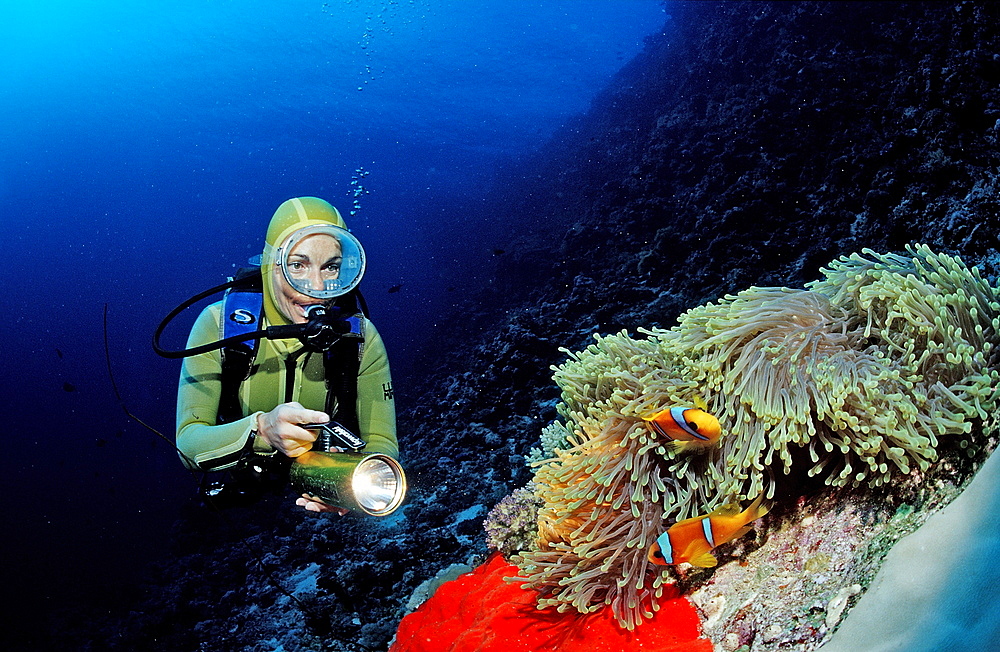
[316,280]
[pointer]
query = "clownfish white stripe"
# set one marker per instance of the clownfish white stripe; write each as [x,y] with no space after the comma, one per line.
[666,547]
[706,528]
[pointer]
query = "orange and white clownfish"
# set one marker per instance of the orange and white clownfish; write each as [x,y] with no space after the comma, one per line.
[687,428]
[692,540]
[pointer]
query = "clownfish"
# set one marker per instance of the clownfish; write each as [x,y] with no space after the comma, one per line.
[692,540]
[686,427]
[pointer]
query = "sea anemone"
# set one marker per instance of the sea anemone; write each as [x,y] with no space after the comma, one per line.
[864,372]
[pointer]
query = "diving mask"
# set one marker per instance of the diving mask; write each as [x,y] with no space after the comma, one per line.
[322,261]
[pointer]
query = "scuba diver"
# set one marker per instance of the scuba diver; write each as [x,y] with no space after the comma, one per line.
[287,357]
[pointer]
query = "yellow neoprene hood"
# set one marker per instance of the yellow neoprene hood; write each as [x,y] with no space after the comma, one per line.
[292,215]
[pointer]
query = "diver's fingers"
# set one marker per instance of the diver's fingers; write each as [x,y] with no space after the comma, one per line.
[294,413]
[281,428]
[312,416]
[293,445]
[309,505]
[292,440]
[301,435]
[313,505]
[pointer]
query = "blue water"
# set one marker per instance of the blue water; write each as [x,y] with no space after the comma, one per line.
[144,148]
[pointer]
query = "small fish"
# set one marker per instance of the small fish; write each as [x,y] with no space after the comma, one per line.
[69,387]
[59,353]
[395,288]
[687,427]
[499,252]
[692,540]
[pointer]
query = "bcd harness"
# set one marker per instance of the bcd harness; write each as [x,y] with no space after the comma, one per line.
[242,307]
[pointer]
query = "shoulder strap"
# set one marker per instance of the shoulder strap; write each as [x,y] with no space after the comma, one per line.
[342,364]
[241,310]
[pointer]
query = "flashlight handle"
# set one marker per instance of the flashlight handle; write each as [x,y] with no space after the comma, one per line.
[334,435]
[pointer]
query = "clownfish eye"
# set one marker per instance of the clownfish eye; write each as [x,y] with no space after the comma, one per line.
[692,425]
[658,554]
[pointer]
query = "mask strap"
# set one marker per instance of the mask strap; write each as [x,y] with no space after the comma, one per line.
[270,253]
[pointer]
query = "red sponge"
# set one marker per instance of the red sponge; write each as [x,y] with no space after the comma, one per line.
[480,612]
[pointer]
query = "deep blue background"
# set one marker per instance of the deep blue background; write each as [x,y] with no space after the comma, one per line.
[143,148]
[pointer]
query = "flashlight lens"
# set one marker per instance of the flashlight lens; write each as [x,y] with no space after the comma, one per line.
[376,485]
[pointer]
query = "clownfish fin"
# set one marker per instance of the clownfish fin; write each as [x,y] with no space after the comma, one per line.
[653,416]
[691,446]
[677,447]
[757,508]
[704,560]
[700,403]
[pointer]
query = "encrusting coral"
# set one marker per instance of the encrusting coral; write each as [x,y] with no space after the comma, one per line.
[511,524]
[555,435]
[863,372]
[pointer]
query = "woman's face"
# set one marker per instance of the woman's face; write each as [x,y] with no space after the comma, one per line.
[311,262]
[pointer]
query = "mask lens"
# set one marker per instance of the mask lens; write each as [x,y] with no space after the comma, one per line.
[322,261]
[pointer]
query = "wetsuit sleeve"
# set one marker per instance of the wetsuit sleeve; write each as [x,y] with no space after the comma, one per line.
[203,444]
[376,405]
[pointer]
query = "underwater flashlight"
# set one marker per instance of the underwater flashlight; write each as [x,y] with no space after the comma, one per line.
[371,482]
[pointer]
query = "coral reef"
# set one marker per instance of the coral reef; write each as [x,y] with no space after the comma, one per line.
[822,554]
[865,372]
[554,437]
[512,525]
[749,144]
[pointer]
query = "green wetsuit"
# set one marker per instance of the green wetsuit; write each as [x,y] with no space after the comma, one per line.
[202,440]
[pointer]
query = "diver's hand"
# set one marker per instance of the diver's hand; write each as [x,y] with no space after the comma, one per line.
[280,428]
[313,504]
